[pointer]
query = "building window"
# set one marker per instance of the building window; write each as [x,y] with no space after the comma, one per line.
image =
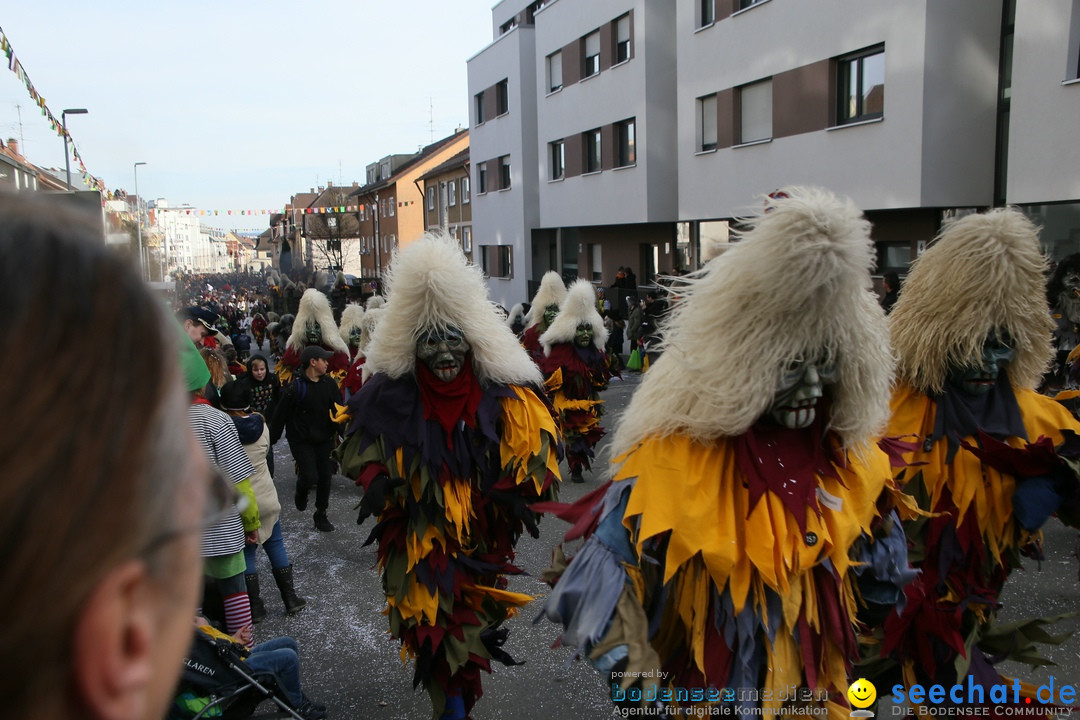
[596,267]
[706,12]
[496,261]
[706,118]
[465,191]
[591,54]
[431,198]
[466,239]
[391,205]
[558,160]
[860,86]
[479,108]
[592,150]
[622,39]
[755,111]
[554,71]
[504,172]
[481,178]
[502,98]
[624,136]
[451,193]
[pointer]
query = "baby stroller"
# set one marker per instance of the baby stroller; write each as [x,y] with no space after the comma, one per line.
[216,683]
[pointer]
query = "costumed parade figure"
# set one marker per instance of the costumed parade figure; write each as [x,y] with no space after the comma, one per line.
[314,325]
[577,370]
[356,376]
[258,329]
[722,554]
[542,311]
[972,336]
[452,441]
[1062,380]
[352,319]
[515,319]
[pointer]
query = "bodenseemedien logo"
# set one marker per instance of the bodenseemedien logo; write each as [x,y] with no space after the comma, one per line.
[862,695]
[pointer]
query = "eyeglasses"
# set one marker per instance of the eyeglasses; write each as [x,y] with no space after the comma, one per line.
[222,502]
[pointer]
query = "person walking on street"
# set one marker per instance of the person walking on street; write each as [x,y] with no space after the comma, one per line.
[304,413]
[255,437]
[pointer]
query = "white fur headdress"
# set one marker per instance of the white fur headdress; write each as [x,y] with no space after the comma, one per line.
[351,317]
[578,307]
[552,290]
[315,307]
[371,320]
[516,313]
[796,286]
[985,271]
[375,302]
[432,286]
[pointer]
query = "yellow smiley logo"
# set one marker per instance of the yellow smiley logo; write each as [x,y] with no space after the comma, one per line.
[862,693]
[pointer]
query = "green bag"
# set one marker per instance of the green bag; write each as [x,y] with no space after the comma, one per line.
[634,362]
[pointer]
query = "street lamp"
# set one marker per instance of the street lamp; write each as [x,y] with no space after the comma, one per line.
[63,122]
[138,219]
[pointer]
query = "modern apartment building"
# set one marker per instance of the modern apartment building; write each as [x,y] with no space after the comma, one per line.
[633,130]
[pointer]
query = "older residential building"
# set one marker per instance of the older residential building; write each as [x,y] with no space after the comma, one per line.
[331,228]
[448,200]
[612,133]
[390,204]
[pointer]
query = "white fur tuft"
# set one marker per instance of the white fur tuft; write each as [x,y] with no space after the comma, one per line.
[577,308]
[797,285]
[351,317]
[432,286]
[315,306]
[552,290]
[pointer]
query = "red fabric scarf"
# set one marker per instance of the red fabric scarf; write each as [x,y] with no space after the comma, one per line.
[448,402]
[200,400]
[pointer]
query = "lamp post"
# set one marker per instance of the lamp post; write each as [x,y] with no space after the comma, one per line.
[63,123]
[138,220]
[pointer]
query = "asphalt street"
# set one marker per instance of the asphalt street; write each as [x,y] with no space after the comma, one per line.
[351,664]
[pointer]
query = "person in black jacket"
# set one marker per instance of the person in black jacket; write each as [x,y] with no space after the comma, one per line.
[305,414]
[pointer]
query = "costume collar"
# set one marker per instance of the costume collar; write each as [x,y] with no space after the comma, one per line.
[960,415]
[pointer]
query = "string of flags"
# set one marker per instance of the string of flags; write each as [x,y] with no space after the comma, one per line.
[16,66]
[262,211]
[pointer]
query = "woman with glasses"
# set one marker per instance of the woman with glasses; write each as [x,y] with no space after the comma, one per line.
[103,492]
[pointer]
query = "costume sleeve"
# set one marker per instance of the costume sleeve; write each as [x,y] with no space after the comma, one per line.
[596,598]
[249,515]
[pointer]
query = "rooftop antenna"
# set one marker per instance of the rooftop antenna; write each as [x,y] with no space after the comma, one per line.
[22,142]
[431,120]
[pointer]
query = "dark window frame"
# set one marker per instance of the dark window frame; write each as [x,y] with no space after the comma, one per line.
[504,172]
[479,98]
[590,64]
[593,143]
[557,155]
[502,97]
[626,142]
[844,64]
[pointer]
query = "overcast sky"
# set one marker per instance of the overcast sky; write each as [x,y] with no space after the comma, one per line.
[239,105]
